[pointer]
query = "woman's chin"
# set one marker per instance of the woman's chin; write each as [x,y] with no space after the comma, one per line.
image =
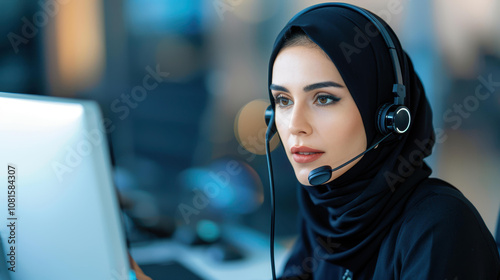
[303,176]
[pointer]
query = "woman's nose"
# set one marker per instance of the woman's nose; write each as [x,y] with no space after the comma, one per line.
[299,120]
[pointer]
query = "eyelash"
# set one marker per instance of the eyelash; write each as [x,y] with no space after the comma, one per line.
[333,99]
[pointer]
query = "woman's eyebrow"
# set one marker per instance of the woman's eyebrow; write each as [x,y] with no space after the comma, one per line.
[278,88]
[322,85]
[308,87]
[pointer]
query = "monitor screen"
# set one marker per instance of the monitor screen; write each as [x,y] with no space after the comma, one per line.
[59,211]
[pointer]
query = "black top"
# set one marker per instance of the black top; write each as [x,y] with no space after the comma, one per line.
[439,235]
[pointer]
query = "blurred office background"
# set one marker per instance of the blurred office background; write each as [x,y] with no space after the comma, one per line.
[182,85]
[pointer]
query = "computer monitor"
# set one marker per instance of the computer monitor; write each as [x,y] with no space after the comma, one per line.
[59,213]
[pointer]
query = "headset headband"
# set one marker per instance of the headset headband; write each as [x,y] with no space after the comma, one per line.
[398,88]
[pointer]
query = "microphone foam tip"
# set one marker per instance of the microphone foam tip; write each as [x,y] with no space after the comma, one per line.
[320,175]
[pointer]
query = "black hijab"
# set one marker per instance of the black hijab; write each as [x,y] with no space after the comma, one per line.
[356,210]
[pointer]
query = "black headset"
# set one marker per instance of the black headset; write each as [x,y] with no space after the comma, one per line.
[391,117]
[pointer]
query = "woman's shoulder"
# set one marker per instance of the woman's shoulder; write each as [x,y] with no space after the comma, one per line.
[437,201]
[436,204]
[442,232]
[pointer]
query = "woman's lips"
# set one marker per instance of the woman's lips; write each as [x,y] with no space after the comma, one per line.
[303,154]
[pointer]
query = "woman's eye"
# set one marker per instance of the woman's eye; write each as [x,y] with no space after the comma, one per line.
[327,99]
[283,101]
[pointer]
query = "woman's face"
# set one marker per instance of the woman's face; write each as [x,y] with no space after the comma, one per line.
[316,116]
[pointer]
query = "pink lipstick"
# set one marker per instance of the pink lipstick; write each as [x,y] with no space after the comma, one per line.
[303,154]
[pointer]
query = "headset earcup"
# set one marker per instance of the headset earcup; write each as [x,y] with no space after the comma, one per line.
[381,118]
[393,118]
[400,119]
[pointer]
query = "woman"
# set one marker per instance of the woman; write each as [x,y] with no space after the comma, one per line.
[381,216]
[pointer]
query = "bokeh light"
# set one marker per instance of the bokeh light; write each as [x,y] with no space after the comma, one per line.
[250,128]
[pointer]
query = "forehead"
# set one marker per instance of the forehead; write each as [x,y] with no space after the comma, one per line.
[300,64]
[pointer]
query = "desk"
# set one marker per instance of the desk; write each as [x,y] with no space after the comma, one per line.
[256,264]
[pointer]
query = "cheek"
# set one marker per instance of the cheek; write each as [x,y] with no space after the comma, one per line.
[282,127]
[282,120]
[342,131]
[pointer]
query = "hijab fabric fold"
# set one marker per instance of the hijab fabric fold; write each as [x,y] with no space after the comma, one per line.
[356,210]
